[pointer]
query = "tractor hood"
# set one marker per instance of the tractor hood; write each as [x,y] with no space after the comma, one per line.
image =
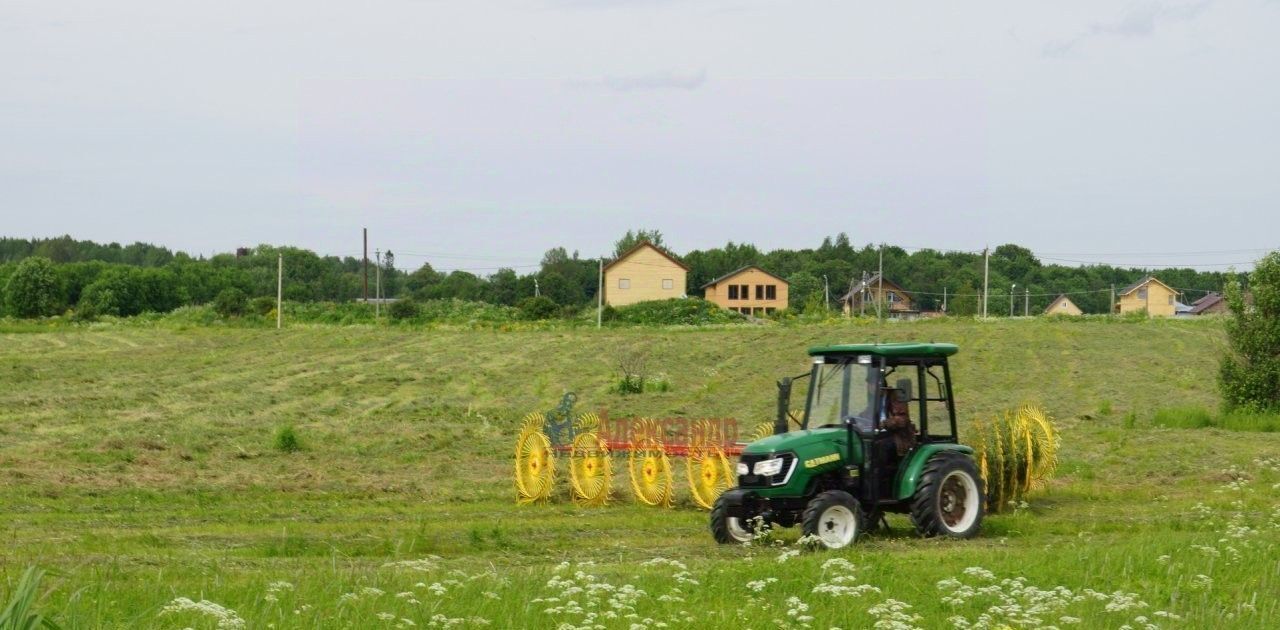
[797,440]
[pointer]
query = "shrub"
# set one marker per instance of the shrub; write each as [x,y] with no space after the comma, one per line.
[113,293]
[1016,452]
[538,307]
[404,309]
[287,440]
[1249,378]
[231,302]
[32,289]
[688,311]
[633,370]
[262,305]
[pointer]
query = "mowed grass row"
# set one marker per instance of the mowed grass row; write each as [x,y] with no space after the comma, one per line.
[139,462]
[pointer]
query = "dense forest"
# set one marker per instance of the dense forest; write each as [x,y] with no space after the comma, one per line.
[130,279]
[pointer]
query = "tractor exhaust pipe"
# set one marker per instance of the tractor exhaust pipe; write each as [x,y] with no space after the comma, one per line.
[784,405]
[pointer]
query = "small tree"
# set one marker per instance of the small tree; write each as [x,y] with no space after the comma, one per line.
[539,307]
[32,290]
[404,309]
[1250,374]
[231,302]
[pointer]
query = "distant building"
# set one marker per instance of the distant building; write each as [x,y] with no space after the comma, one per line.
[1155,297]
[644,273]
[1062,305]
[864,296]
[1210,304]
[749,290]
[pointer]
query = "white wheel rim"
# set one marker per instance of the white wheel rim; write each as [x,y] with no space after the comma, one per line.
[958,501]
[736,530]
[837,527]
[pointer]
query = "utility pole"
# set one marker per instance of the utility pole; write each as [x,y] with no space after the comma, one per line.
[880,289]
[1111,308]
[986,279]
[600,296]
[826,292]
[944,300]
[1011,288]
[536,290]
[377,286]
[862,303]
[366,265]
[1026,305]
[279,290]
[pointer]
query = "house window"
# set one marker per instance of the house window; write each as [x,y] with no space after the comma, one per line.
[744,291]
[624,283]
[759,291]
[769,310]
[1142,293]
[733,292]
[668,283]
[1062,304]
[771,293]
[891,297]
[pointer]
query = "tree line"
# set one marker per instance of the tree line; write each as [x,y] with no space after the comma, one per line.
[50,276]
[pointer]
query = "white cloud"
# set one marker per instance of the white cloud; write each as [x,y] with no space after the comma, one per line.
[1141,20]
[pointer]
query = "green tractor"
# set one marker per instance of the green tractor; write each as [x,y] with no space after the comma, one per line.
[856,453]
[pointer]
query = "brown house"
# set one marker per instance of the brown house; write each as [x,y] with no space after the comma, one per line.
[1210,304]
[1062,305]
[1148,294]
[644,273]
[863,297]
[748,290]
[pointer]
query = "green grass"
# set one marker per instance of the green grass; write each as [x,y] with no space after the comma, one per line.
[139,462]
[1200,418]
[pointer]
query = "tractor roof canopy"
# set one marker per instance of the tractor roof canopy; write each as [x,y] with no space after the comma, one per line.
[891,350]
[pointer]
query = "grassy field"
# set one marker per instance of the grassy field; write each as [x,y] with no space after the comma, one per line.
[138,463]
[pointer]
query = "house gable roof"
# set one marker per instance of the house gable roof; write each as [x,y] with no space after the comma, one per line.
[1144,281]
[740,270]
[874,280]
[642,245]
[1061,298]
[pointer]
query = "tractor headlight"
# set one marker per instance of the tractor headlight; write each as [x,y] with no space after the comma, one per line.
[769,467]
[743,469]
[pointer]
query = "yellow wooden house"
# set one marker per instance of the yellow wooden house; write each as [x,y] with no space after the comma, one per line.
[749,290]
[1148,295]
[644,273]
[1062,305]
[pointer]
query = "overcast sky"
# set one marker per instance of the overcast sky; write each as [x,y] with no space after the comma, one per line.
[486,132]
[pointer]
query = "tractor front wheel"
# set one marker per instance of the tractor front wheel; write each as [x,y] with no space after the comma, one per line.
[948,501]
[727,529]
[834,518]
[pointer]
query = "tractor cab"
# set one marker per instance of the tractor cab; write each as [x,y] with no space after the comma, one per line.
[877,427]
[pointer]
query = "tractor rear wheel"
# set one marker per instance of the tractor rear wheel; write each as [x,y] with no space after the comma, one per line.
[834,518]
[727,529]
[949,500]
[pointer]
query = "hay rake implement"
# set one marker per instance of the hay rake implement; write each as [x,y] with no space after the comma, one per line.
[546,437]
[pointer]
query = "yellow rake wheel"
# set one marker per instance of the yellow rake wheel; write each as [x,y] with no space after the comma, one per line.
[535,461]
[649,467]
[590,470]
[710,474]
[760,432]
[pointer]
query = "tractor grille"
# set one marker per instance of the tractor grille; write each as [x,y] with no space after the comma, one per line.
[759,481]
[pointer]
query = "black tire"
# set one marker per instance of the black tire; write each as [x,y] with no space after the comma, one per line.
[729,530]
[949,500]
[834,517]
